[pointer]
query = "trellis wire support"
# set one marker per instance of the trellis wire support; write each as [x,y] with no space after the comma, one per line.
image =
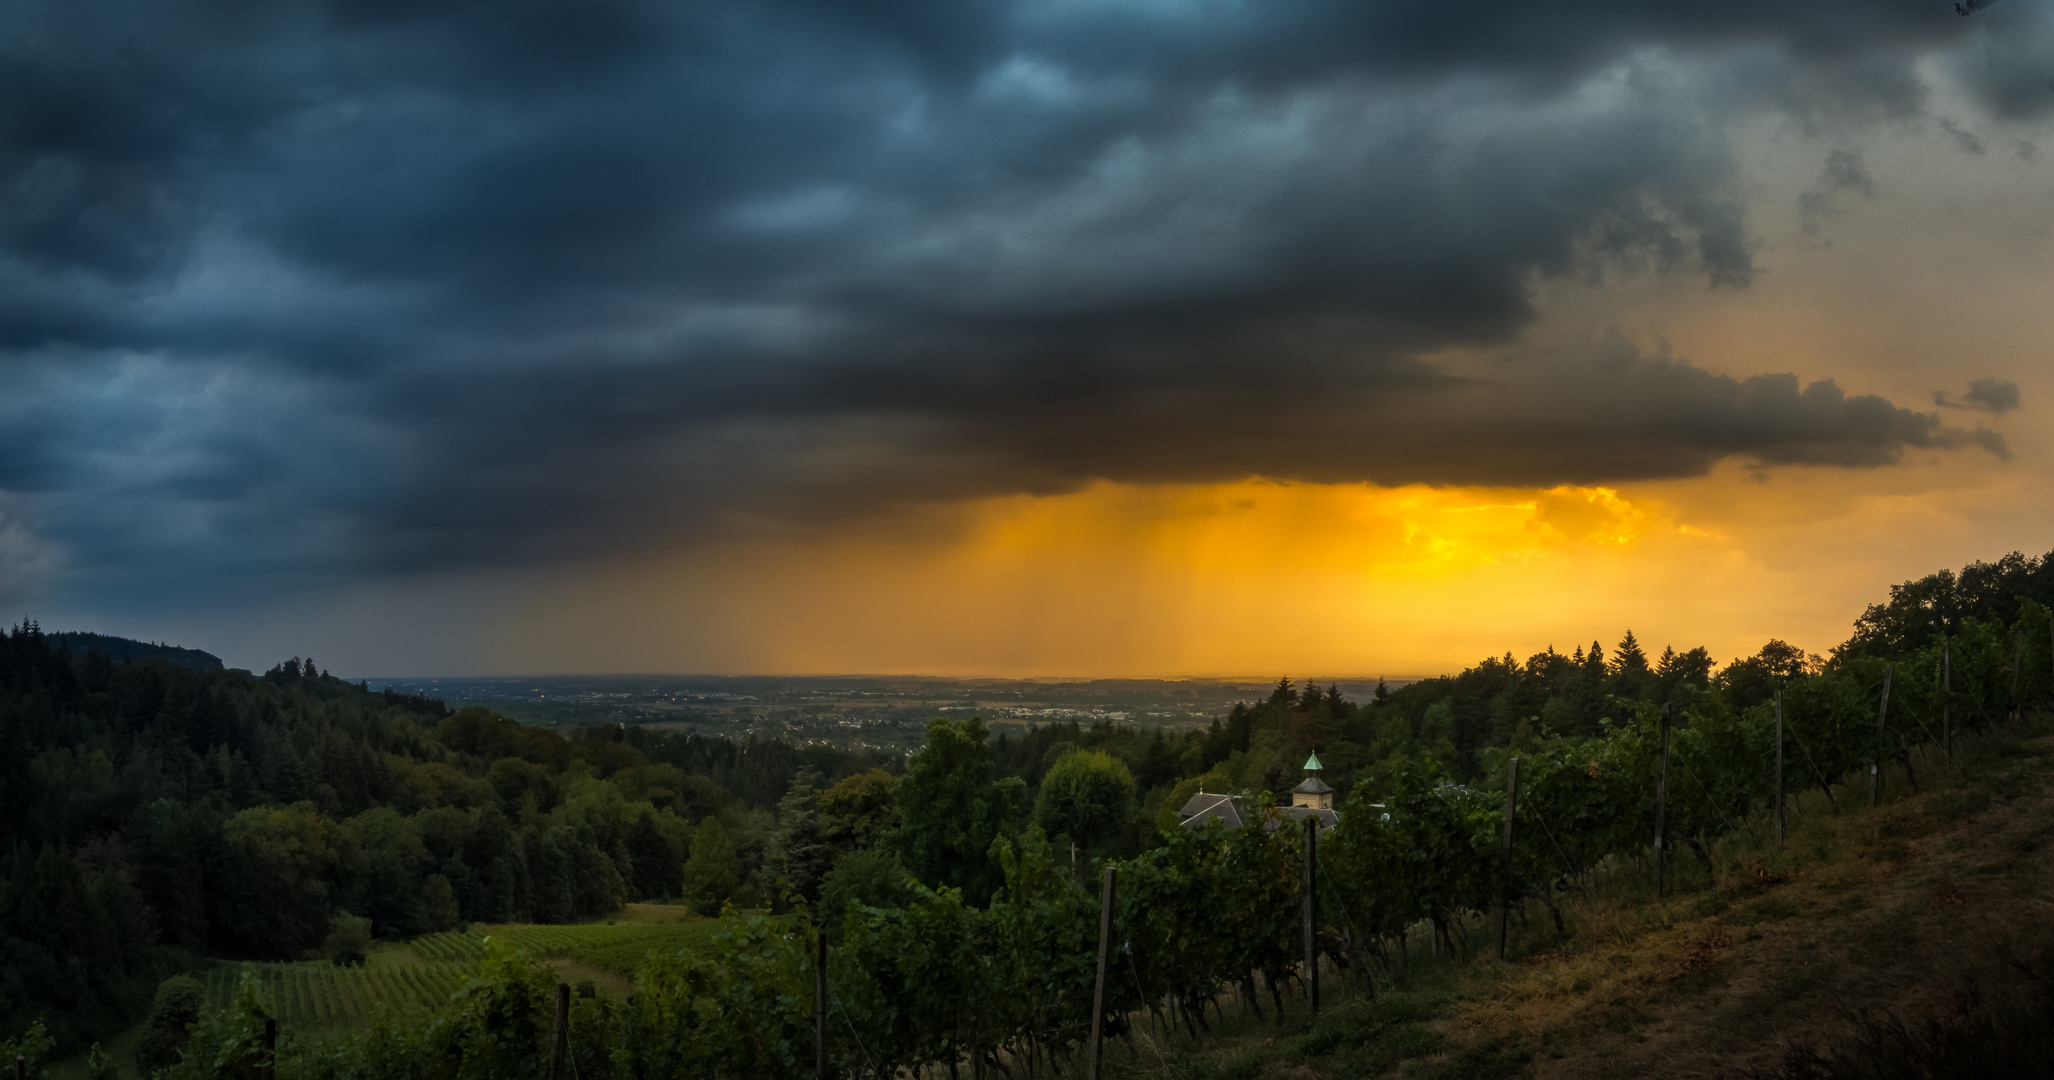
[1105,946]
[1505,854]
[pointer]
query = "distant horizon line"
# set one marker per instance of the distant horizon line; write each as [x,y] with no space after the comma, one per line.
[1326,678]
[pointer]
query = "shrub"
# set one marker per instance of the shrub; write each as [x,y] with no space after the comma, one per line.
[99,1066]
[349,940]
[178,1004]
[30,1045]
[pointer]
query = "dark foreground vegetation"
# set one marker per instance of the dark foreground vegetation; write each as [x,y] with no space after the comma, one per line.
[159,813]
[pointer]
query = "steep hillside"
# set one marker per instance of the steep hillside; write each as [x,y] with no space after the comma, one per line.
[1907,940]
[120,648]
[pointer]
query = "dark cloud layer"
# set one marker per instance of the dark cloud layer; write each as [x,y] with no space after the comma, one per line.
[295,289]
[1997,396]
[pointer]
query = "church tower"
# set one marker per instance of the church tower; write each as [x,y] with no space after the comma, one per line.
[1312,792]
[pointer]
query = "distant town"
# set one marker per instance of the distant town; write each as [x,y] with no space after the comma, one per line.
[879,711]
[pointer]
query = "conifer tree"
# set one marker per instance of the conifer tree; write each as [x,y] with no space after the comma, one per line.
[1630,659]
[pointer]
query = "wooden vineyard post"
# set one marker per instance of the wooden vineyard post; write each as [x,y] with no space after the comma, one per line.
[1779,768]
[2017,664]
[560,1037]
[1311,913]
[21,1067]
[820,1006]
[1505,849]
[1882,717]
[1105,950]
[269,1069]
[1946,692]
[1662,805]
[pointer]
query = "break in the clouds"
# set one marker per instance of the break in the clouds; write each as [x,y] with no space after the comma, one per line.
[300,289]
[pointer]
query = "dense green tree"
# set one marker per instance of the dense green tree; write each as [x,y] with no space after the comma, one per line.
[1755,679]
[953,806]
[1681,673]
[857,812]
[389,865]
[658,865]
[872,877]
[712,872]
[1088,796]
[1920,611]
[275,894]
[796,858]
[438,903]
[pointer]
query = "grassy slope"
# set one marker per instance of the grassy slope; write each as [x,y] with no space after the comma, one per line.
[1892,908]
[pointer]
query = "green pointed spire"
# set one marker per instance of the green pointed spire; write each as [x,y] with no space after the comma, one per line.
[1312,764]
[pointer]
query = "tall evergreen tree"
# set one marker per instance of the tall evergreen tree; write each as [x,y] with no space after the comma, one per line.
[795,858]
[1629,659]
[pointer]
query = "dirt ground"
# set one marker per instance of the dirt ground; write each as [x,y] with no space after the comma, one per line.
[1894,908]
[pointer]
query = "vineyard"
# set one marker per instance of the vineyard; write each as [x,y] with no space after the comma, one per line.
[618,948]
[319,996]
[1214,915]
[426,971]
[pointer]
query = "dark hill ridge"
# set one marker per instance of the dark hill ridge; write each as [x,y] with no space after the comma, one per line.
[118,648]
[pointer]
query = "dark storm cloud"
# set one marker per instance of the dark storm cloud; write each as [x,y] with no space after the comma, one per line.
[1997,396]
[298,288]
[1844,172]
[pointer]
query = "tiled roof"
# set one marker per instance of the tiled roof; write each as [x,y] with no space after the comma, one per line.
[1204,807]
[1313,785]
[1230,811]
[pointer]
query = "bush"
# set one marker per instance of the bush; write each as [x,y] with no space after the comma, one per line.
[99,1066]
[349,940]
[31,1045]
[229,1045]
[179,1001]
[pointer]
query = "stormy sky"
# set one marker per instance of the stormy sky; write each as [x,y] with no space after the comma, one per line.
[320,316]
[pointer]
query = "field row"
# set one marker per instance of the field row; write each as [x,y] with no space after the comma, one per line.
[619,948]
[319,995]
